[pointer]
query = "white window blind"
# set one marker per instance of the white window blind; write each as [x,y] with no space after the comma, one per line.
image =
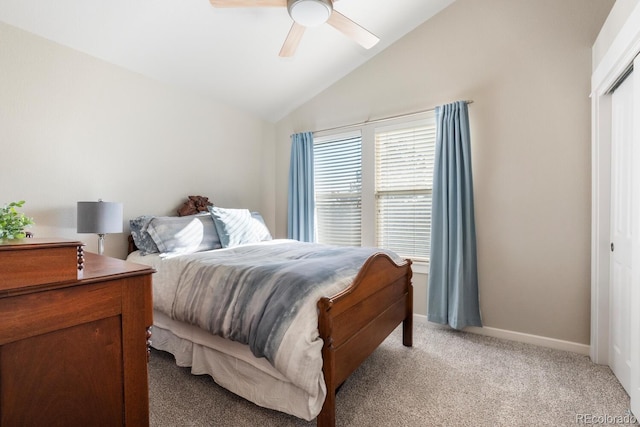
[404,180]
[338,190]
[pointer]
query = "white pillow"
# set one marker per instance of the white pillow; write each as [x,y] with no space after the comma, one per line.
[238,226]
[184,234]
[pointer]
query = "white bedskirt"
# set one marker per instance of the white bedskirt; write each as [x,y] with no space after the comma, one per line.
[233,366]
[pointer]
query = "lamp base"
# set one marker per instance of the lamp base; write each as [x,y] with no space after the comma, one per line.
[100,244]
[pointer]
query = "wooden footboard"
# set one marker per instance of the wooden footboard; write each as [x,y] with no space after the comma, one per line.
[354,322]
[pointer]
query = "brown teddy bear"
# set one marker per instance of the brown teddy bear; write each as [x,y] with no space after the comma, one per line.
[194,205]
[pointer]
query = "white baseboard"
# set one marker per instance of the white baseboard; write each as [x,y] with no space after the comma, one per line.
[516,336]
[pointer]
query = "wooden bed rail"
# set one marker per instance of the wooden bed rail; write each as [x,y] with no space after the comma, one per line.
[356,321]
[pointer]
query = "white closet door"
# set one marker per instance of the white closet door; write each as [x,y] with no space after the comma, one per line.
[621,233]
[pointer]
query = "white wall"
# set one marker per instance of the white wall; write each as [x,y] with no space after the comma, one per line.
[73,128]
[526,65]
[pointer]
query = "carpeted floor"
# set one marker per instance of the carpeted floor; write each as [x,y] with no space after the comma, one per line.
[447,378]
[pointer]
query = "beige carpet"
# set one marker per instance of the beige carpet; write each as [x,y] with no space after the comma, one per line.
[447,378]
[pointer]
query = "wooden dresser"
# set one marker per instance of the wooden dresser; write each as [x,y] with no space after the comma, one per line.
[73,349]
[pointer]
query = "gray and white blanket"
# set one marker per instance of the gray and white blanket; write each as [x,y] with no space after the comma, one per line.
[252,294]
[264,296]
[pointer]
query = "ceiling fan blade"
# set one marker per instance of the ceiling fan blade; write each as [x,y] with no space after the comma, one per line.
[248,3]
[292,41]
[352,30]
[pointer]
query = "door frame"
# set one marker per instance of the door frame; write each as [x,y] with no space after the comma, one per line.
[634,349]
[617,59]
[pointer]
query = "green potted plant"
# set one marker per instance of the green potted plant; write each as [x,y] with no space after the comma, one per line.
[12,222]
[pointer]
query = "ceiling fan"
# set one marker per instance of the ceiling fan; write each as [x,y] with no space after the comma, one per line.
[308,13]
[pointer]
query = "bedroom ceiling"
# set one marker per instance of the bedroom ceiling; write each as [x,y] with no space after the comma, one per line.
[230,54]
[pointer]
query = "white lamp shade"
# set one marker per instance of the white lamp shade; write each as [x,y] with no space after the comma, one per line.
[99,217]
[310,13]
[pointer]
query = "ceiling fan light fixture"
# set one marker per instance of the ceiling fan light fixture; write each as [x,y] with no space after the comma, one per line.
[310,13]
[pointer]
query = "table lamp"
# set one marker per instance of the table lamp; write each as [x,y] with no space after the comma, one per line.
[100,218]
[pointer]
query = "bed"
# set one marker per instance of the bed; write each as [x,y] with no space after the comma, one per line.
[287,350]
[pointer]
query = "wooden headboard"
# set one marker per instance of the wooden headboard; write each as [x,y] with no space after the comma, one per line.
[132,245]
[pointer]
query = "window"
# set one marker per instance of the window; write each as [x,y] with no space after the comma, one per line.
[404,178]
[338,190]
[373,185]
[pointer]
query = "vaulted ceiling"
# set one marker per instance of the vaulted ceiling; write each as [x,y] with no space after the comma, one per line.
[230,54]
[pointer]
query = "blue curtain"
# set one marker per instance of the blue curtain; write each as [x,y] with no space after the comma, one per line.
[300,212]
[453,276]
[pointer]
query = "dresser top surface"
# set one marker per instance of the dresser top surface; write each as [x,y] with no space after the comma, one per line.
[36,265]
[36,243]
[100,266]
